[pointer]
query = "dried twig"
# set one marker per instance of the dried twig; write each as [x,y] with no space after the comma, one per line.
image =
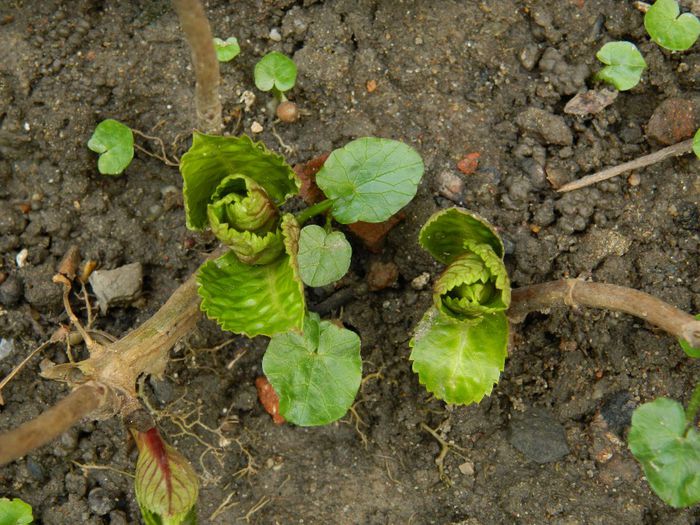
[671,151]
[574,292]
[206,67]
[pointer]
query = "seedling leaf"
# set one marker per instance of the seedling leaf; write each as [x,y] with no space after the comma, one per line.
[226,50]
[670,31]
[670,456]
[165,483]
[370,179]
[213,158]
[323,257]
[456,361]
[689,350]
[15,512]
[277,71]
[115,143]
[447,234]
[625,65]
[316,374]
[255,300]
[696,143]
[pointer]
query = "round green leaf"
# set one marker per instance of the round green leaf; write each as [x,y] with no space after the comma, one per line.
[459,362]
[670,456]
[323,257]
[115,143]
[15,512]
[689,350]
[275,70]
[315,374]
[226,50]
[670,31]
[696,143]
[370,179]
[625,65]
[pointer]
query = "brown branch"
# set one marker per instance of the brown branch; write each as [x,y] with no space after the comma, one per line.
[574,292]
[52,423]
[671,151]
[206,66]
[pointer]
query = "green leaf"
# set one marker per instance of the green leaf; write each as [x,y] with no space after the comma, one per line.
[370,179]
[447,233]
[696,143]
[323,257]
[670,456]
[165,483]
[689,350]
[115,143]
[670,31]
[473,285]
[212,158]
[315,374]
[226,50]
[15,512]
[625,65]
[277,71]
[255,300]
[459,362]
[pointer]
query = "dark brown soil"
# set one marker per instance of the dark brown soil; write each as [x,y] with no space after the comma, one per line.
[452,77]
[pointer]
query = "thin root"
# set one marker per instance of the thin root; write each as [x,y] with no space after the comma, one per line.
[445,447]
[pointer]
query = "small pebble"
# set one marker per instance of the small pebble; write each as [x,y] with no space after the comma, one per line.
[467,468]
[100,501]
[275,35]
[633,180]
[420,282]
[382,275]
[450,186]
[256,127]
[21,258]
[7,346]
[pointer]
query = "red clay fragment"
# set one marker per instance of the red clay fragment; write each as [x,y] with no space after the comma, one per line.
[469,163]
[307,174]
[269,399]
[372,234]
[382,275]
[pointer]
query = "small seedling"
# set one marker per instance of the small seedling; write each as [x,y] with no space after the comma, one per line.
[166,485]
[665,441]
[115,143]
[15,512]
[236,187]
[668,28]
[278,73]
[226,50]
[625,65]
[459,347]
[696,143]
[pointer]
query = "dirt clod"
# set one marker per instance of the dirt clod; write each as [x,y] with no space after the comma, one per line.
[674,120]
[548,127]
[382,275]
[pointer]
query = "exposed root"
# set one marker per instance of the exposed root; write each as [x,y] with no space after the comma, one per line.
[90,466]
[445,448]
[163,157]
[257,507]
[225,505]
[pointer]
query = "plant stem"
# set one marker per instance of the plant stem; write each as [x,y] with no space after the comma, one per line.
[52,423]
[314,210]
[574,292]
[693,407]
[206,66]
[671,151]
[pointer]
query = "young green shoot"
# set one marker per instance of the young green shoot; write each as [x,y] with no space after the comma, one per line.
[459,347]
[115,143]
[624,65]
[670,29]
[226,50]
[15,512]
[236,187]
[696,143]
[278,73]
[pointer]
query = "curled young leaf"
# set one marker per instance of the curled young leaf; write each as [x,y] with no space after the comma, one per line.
[212,158]
[473,285]
[316,374]
[456,361]
[243,217]
[447,233]
[165,483]
[370,179]
[255,299]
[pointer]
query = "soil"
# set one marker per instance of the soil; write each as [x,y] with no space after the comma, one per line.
[448,77]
